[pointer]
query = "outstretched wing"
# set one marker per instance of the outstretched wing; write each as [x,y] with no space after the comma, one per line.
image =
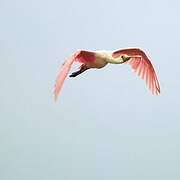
[62,74]
[142,66]
[80,56]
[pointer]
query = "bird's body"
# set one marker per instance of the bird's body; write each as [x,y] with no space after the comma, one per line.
[102,58]
[98,59]
[106,57]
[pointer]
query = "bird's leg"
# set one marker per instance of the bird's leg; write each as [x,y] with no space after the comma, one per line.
[81,70]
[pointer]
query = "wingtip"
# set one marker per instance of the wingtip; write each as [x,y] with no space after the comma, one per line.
[55,94]
[55,99]
[157,92]
[158,88]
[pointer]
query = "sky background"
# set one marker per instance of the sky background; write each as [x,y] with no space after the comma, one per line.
[106,124]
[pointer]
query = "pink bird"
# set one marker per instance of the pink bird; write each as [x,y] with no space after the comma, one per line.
[135,57]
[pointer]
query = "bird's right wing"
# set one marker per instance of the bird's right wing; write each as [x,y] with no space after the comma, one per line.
[80,56]
[62,74]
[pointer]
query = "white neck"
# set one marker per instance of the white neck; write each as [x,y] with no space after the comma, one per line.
[107,56]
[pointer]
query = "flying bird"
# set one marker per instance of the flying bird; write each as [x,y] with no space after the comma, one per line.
[135,57]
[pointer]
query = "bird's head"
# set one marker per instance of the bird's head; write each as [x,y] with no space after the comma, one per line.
[125,57]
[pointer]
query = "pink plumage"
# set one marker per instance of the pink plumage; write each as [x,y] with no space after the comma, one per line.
[63,72]
[79,56]
[142,66]
[135,57]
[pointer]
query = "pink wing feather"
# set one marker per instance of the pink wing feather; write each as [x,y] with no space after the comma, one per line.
[80,56]
[62,74]
[142,66]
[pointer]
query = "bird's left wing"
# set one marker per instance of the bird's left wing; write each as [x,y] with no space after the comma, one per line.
[140,63]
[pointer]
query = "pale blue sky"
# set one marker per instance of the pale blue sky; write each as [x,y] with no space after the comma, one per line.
[106,124]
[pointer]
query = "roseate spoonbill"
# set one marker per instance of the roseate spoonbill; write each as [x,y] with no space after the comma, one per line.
[135,57]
